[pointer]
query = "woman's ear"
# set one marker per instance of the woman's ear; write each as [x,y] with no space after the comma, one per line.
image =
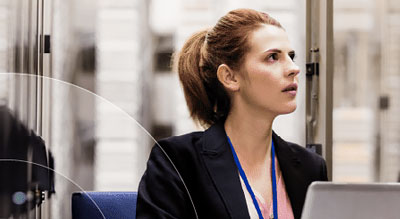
[228,78]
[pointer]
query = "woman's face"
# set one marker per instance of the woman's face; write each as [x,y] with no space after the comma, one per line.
[269,75]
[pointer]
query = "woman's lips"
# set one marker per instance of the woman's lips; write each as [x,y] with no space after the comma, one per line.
[291,92]
[291,89]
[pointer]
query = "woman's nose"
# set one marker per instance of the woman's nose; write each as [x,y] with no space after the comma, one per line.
[293,69]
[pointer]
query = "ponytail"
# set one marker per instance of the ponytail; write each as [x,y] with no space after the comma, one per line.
[193,80]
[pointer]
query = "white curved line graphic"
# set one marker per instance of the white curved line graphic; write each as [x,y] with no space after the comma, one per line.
[127,114]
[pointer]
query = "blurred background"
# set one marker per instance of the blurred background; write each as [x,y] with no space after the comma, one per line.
[93,79]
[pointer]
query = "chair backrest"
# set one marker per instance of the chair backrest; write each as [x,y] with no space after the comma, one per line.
[121,205]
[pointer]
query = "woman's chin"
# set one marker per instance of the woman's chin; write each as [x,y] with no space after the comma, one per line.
[289,109]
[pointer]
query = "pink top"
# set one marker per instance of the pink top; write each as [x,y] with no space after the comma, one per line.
[284,207]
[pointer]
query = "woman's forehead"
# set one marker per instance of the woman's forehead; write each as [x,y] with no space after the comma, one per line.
[269,37]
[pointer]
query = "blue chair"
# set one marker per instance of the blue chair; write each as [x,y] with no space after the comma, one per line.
[118,205]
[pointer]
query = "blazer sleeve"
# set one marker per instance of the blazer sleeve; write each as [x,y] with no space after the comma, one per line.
[161,192]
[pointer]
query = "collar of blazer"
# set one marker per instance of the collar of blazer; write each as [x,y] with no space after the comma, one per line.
[221,166]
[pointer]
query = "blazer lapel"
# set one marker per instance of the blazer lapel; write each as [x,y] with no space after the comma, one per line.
[290,165]
[219,161]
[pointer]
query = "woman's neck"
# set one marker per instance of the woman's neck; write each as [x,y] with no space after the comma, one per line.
[250,136]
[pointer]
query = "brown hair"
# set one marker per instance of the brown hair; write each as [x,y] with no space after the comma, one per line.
[198,61]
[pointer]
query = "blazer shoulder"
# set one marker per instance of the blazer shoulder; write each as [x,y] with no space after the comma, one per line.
[181,142]
[178,148]
[312,160]
[298,150]
[306,153]
[301,150]
[164,190]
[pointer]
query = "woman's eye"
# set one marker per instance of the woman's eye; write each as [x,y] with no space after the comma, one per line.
[292,56]
[272,57]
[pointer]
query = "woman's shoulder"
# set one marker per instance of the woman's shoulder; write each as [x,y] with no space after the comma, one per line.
[305,153]
[302,152]
[181,141]
[185,138]
[310,162]
[179,145]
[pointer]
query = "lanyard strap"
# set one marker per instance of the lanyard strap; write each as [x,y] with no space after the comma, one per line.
[246,182]
[274,189]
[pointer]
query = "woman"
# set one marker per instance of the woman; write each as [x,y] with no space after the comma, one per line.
[237,78]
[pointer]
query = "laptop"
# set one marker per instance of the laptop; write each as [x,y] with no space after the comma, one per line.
[328,200]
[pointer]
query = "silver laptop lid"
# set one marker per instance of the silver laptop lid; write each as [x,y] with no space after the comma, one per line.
[327,200]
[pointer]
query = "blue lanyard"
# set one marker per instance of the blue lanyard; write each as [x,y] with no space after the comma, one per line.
[246,182]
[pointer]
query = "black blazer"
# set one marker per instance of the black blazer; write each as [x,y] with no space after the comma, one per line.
[210,177]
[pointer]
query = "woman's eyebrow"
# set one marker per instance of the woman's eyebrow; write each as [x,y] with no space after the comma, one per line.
[273,50]
[278,51]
